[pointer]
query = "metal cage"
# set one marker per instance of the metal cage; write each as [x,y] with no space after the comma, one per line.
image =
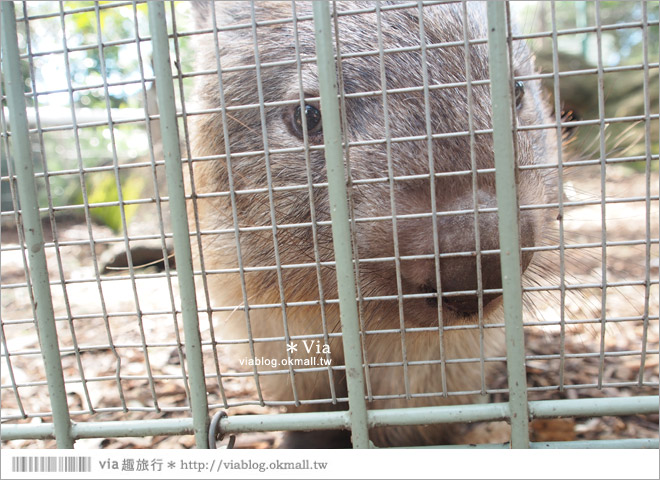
[84,341]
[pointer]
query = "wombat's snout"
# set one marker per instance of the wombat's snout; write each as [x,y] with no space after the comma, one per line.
[456,234]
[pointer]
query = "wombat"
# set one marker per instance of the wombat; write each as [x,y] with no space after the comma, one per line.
[254,160]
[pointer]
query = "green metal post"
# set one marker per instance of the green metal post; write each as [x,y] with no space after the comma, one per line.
[508,208]
[34,238]
[341,232]
[182,251]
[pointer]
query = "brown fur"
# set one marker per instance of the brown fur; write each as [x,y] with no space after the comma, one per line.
[373,239]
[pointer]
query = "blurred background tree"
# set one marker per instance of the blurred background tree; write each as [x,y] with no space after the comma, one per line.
[85,25]
[620,47]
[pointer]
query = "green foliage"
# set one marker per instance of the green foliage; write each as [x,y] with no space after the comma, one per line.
[640,167]
[121,61]
[622,90]
[84,27]
[104,189]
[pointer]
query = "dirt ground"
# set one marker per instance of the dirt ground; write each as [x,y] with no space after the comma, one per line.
[623,340]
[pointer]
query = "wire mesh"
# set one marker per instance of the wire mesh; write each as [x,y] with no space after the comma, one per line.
[246,93]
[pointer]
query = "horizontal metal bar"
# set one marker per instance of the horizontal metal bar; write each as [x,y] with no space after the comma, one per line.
[610,443]
[445,414]
[132,428]
[587,407]
[500,411]
[580,444]
[286,422]
[590,407]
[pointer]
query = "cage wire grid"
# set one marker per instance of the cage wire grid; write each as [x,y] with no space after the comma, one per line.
[138,329]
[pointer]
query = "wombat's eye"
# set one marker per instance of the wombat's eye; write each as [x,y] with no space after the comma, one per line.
[519,91]
[313,116]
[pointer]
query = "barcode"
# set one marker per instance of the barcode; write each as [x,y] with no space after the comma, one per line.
[51,464]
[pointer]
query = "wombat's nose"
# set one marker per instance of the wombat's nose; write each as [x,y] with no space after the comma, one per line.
[459,273]
[456,234]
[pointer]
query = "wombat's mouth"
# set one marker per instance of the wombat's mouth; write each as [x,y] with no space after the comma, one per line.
[462,305]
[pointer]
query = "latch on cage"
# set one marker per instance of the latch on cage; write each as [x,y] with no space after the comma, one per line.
[216,434]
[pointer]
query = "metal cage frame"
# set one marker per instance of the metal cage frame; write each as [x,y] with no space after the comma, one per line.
[358,418]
